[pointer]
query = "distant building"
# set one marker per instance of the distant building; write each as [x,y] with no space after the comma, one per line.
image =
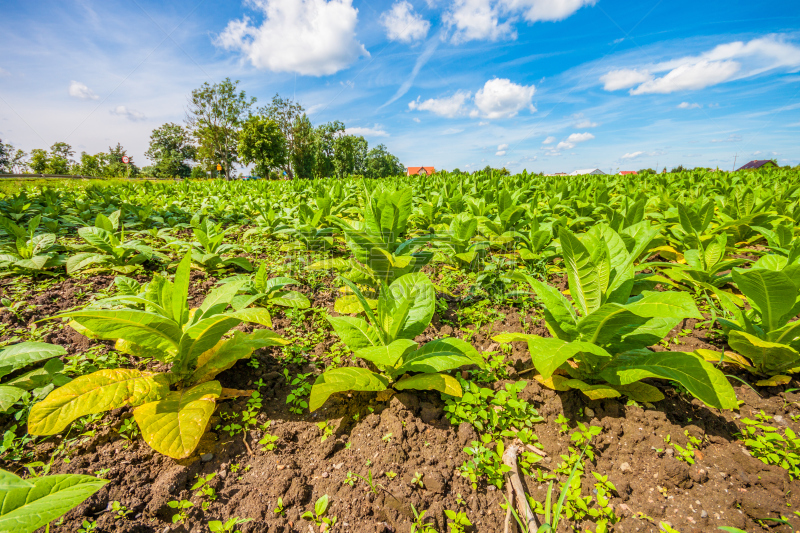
[420,171]
[627,172]
[762,163]
[557,174]
[585,171]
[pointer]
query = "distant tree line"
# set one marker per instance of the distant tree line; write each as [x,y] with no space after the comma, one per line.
[223,127]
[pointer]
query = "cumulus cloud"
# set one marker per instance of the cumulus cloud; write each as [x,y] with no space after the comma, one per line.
[632,155]
[500,98]
[450,106]
[563,145]
[586,123]
[493,19]
[130,114]
[549,140]
[309,37]
[501,149]
[580,137]
[723,63]
[403,24]
[687,105]
[375,131]
[80,90]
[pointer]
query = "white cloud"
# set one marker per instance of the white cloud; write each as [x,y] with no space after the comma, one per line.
[309,37]
[586,123]
[723,63]
[624,78]
[452,131]
[500,98]
[564,146]
[130,114]
[687,105]
[483,123]
[549,140]
[580,137]
[481,19]
[403,24]
[80,90]
[500,152]
[375,131]
[632,155]
[444,107]
[502,147]
[416,119]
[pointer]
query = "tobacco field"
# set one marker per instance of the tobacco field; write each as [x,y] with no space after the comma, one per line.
[452,353]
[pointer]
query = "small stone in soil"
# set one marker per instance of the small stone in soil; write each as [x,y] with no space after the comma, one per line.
[206,457]
[625,467]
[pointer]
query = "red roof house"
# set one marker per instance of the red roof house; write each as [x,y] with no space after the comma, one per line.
[761,163]
[420,171]
[627,172]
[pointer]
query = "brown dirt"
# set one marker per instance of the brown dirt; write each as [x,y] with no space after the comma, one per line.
[726,486]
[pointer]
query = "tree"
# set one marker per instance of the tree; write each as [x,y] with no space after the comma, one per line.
[112,165]
[262,143]
[350,155]
[5,156]
[285,113]
[326,135]
[19,162]
[303,156]
[170,150]
[382,164]
[39,160]
[215,115]
[89,165]
[60,158]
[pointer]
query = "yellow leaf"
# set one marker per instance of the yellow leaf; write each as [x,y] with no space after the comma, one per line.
[554,382]
[774,381]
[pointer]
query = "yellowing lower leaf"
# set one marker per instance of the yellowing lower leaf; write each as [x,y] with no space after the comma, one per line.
[640,392]
[94,393]
[730,357]
[774,381]
[442,382]
[554,382]
[593,392]
[341,380]
[173,426]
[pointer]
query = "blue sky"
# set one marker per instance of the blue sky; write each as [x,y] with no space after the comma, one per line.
[547,85]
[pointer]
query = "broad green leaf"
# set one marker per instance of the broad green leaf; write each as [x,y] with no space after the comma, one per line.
[440,382]
[355,332]
[386,356]
[290,299]
[640,392]
[23,354]
[559,314]
[787,334]
[441,355]
[220,298]
[700,378]
[253,315]
[609,321]
[771,293]
[350,303]
[180,290]
[9,481]
[341,380]
[582,274]
[418,290]
[227,352]
[549,354]
[26,509]
[593,392]
[140,327]
[9,396]
[667,304]
[95,393]
[202,336]
[82,260]
[99,238]
[767,357]
[174,425]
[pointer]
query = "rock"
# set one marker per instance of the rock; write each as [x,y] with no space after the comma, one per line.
[435,482]
[325,475]
[780,420]
[698,474]
[466,433]
[206,457]
[675,474]
[589,412]
[704,514]
[625,467]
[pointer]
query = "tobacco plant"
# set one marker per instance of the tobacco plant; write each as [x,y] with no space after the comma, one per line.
[19,356]
[28,253]
[601,338]
[172,408]
[385,341]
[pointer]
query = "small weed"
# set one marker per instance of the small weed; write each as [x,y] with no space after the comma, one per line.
[417,480]
[458,521]
[181,506]
[228,526]
[119,510]
[318,516]
[767,444]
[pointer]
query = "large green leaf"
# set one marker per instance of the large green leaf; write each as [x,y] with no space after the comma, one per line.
[549,354]
[600,326]
[180,290]
[700,378]
[667,304]
[23,354]
[139,327]
[417,289]
[174,425]
[202,336]
[386,356]
[767,357]
[341,380]
[355,332]
[9,396]
[26,509]
[98,238]
[225,354]
[559,314]
[9,481]
[94,393]
[440,355]
[440,382]
[82,260]
[254,315]
[582,274]
[772,293]
[290,299]
[220,298]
